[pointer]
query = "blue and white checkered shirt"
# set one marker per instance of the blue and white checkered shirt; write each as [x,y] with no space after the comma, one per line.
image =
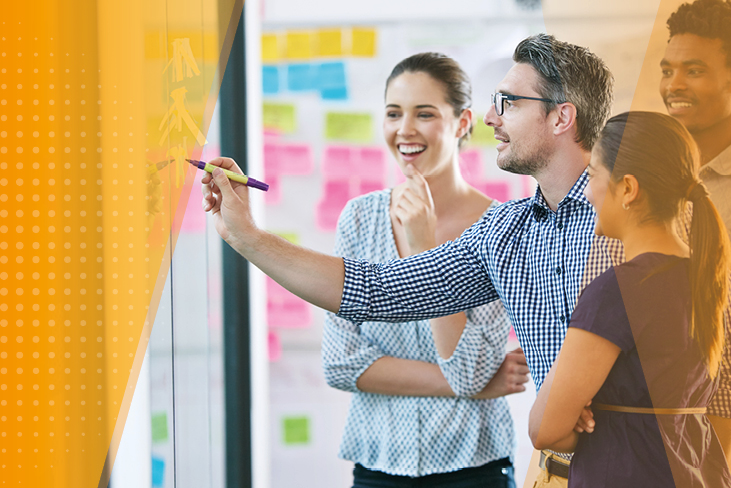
[414,436]
[522,252]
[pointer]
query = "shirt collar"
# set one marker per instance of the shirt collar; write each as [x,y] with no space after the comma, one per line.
[721,164]
[576,194]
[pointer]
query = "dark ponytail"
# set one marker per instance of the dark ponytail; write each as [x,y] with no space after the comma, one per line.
[709,274]
[661,154]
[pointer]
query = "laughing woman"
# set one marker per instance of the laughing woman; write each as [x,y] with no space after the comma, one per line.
[425,395]
[645,340]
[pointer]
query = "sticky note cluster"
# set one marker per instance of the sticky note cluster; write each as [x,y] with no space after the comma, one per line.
[284,159]
[348,172]
[319,43]
[328,79]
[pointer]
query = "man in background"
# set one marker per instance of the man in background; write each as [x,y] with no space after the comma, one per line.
[696,89]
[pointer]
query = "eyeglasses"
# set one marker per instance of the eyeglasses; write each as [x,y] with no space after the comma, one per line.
[498,99]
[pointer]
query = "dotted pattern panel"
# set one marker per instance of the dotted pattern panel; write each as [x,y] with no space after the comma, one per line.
[85,224]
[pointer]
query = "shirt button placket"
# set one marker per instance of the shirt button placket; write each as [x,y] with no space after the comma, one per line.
[558,270]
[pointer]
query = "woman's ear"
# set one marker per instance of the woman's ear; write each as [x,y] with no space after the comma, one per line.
[466,120]
[630,190]
[565,118]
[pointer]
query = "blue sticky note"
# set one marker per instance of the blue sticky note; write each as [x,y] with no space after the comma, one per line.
[158,470]
[299,77]
[340,93]
[270,80]
[331,81]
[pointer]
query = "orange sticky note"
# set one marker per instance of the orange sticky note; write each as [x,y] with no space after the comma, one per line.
[299,45]
[363,42]
[269,47]
[329,42]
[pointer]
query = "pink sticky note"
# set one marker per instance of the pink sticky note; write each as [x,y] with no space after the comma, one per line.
[512,335]
[282,160]
[499,190]
[288,159]
[336,194]
[470,164]
[274,194]
[284,309]
[368,186]
[271,159]
[336,162]
[370,163]
[274,346]
[295,159]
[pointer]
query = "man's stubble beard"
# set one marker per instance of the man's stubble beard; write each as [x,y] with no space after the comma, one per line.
[525,165]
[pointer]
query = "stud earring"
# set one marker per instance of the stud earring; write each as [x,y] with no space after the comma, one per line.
[625,206]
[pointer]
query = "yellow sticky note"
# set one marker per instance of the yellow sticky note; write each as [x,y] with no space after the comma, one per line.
[363,42]
[353,127]
[299,45]
[269,47]
[329,42]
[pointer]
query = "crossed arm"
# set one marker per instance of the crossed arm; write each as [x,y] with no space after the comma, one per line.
[578,372]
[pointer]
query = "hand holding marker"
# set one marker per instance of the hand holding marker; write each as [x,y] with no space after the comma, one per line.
[246,180]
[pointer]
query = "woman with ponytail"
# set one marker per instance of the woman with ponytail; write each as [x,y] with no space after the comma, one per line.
[644,342]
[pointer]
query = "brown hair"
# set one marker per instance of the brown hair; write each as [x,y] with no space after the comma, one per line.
[661,154]
[570,73]
[457,86]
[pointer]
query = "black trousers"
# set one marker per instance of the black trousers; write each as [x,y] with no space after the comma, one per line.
[496,474]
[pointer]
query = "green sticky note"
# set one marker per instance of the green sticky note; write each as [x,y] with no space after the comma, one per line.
[159,427]
[350,127]
[483,135]
[279,116]
[296,430]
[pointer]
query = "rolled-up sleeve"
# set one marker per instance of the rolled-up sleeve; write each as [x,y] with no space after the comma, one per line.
[480,350]
[346,354]
[445,280]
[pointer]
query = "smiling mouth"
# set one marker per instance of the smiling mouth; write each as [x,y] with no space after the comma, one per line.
[411,148]
[678,105]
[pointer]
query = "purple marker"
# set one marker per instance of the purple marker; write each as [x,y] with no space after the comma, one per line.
[246,180]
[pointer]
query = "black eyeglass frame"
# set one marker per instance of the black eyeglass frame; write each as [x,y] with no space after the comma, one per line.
[501,97]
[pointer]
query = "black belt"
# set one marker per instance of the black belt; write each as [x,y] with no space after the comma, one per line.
[554,467]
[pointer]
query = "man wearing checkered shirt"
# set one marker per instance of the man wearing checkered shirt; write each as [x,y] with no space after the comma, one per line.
[531,253]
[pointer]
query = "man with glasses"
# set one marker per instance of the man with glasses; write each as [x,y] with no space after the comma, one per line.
[547,114]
